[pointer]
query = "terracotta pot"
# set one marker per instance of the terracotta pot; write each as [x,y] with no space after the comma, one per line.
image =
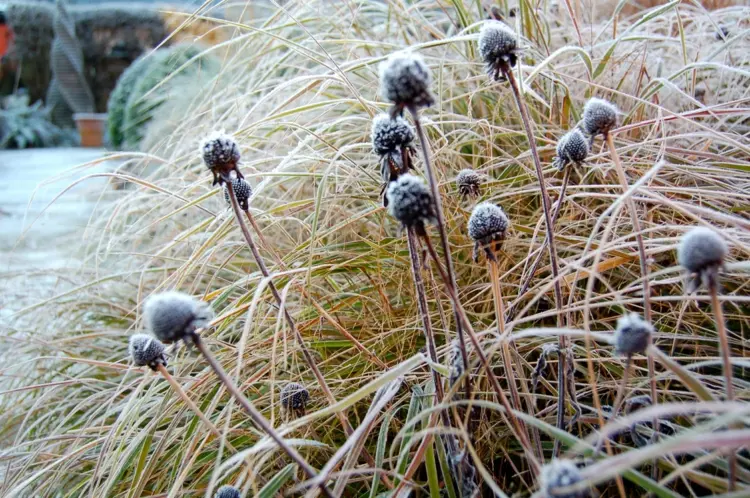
[91,128]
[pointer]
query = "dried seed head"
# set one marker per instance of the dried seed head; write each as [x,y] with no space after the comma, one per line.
[172,315]
[599,117]
[488,227]
[559,474]
[410,202]
[242,191]
[221,155]
[637,402]
[498,46]
[294,396]
[390,134]
[147,351]
[573,147]
[456,363]
[632,335]
[701,252]
[405,80]
[227,492]
[468,182]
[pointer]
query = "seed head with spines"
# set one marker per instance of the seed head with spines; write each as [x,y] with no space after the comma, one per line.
[405,80]
[294,397]
[411,202]
[242,191]
[498,46]
[599,117]
[227,492]
[468,182]
[560,474]
[221,154]
[573,147]
[392,138]
[633,335]
[147,351]
[488,227]
[702,252]
[172,315]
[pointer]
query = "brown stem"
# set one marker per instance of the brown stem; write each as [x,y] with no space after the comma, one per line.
[257,417]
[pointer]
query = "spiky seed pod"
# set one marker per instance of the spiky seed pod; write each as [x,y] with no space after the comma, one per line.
[573,147]
[599,117]
[559,474]
[468,182]
[456,363]
[221,155]
[632,335]
[498,46]
[147,351]
[242,191]
[294,397]
[637,403]
[405,80]
[488,227]
[172,315]
[410,202]
[702,252]
[227,492]
[392,139]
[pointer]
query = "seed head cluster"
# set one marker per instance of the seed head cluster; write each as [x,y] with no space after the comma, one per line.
[469,183]
[560,474]
[221,155]
[227,492]
[488,227]
[390,134]
[599,117]
[633,335]
[498,46]
[242,191]
[702,252]
[147,351]
[172,315]
[410,202]
[405,80]
[573,148]
[294,397]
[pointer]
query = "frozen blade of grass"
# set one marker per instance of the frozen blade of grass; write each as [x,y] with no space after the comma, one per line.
[275,484]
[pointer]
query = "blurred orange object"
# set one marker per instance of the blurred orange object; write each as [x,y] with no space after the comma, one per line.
[6,35]
[91,128]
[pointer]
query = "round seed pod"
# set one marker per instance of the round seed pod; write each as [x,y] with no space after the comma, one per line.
[172,315]
[700,249]
[242,191]
[221,155]
[498,46]
[146,350]
[599,117]
[632,335]
[405,80]
[488,226]
[294,396]
[468,182]
[410,202]
[390,134]
[227,492]
[573,147]
[559,474]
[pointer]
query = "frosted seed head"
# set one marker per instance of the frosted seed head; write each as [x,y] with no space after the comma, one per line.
[701,252]
[147,351]
[219,149]
[227,492]
[637,402]
[559,474]
[410,202]
[498,46]
[390,134]
[632,335]
[172,315]
[294,396]
[468,182]
[599,117]
[573,147]
[242,191]
[488,226]
[405,80]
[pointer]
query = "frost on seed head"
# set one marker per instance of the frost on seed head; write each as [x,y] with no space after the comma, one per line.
[221,155]
[390,134]
[242,191]
[560,474]
[633,335]
[468,182]
[227,492]
[147,351]
[405,80]
[599,117]
[573,147]
[701,252]
[498,46]
[488,227]
[172,315]
[410,202]
[294,397]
